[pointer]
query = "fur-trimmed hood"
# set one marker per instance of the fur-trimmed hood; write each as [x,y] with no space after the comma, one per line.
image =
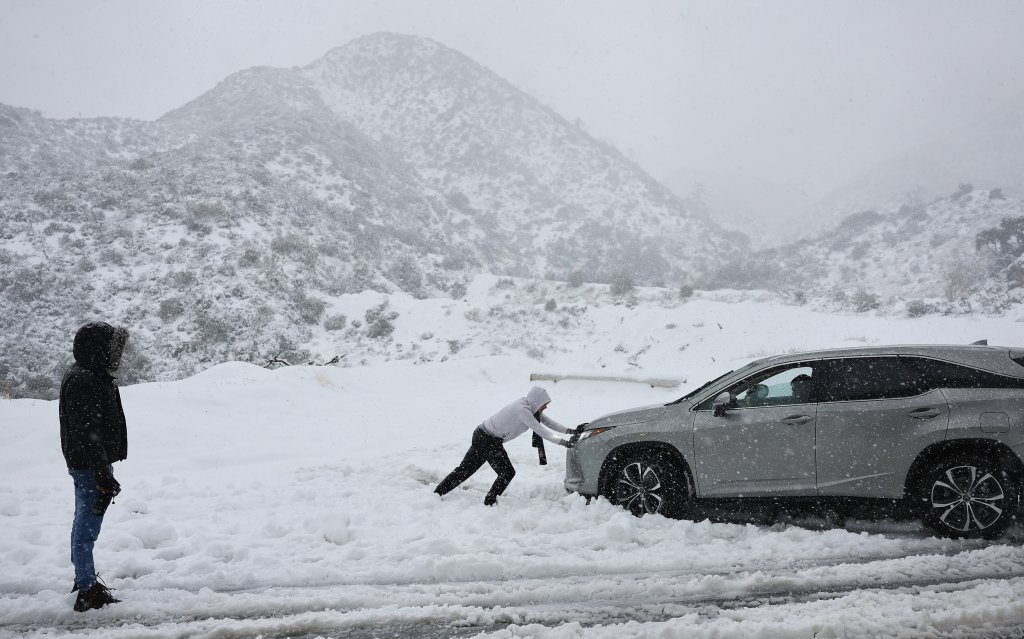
[98,346]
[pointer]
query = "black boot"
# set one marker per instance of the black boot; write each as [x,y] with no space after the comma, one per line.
[96,596]
[74,587]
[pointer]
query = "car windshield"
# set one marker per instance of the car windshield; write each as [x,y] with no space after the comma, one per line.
[692,393]
[698,389]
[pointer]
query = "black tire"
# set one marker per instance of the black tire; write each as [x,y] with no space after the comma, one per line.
[649,483]
[969,497]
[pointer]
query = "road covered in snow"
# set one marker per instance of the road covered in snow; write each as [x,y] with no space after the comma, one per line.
[298,503]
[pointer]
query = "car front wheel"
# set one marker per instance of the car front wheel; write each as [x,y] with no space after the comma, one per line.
[649,484]
[969,498]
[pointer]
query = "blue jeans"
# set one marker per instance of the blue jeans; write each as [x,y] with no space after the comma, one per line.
[86,527]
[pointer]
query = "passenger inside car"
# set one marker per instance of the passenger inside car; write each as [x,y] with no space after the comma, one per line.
[801,387]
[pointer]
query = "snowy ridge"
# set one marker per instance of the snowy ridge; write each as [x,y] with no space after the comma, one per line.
[223,230]
[985,153]
[911,253]
[501,156]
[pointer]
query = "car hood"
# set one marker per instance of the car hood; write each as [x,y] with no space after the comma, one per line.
[631,416]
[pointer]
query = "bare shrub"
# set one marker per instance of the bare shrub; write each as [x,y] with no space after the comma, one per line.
[864,301]
[961,276]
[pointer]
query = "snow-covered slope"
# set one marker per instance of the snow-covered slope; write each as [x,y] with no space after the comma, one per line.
[546,196]
[31,145]
[986,153]
[223,230]
[913,252]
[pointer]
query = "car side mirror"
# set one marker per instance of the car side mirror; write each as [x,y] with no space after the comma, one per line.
[722,404]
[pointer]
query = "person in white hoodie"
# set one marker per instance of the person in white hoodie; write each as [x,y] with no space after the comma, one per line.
[526,413]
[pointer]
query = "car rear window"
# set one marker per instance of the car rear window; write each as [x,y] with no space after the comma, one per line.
[938,374]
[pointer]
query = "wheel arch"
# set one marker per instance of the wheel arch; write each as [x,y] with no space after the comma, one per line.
[616,459]
[939,450]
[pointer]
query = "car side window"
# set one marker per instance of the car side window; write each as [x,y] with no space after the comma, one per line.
[777,386]
[934,373]
[864,378]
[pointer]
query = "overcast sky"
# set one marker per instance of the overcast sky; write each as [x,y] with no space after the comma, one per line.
[805,94]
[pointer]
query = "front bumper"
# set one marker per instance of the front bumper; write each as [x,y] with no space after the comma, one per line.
[582,468]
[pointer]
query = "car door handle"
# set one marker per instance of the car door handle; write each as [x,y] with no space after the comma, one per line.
[925,413]
[797,419]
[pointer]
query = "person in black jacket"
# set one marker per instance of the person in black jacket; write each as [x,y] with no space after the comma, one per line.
[93,435]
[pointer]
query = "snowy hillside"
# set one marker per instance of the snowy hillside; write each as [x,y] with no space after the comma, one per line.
[916,257]
[297,502]
[984,153]
[224,230]
[547,197]
[40,148]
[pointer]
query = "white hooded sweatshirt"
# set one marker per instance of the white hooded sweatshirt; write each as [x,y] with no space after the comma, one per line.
[518,417]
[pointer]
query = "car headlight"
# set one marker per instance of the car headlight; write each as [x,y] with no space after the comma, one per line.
[594,433]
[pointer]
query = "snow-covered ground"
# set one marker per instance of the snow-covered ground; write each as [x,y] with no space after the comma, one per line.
[297,502]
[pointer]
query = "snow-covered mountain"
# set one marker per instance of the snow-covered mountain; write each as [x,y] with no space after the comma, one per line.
[987,154]
[922,255]
[223,229]
[539,193]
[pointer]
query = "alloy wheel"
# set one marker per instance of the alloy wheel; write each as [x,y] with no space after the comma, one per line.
[639,489]
[967,499]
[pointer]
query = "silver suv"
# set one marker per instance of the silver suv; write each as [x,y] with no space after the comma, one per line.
[935,432]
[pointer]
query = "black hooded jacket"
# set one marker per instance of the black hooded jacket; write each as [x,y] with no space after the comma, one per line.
[93,433]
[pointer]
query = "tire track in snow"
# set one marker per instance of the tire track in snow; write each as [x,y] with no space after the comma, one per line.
[490,605]
[451,621]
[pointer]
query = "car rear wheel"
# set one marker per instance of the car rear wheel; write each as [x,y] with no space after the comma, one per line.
[649,483]
[969,497]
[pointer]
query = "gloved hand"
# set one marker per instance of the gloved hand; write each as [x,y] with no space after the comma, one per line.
[582,427]
[106,483]
[571,442]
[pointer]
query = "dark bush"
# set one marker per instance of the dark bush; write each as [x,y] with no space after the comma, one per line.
[458,291]
[622,284]
[290,244]
[170,309]
[310,309]
[250,257]
[335,322]
[965,189]
[379,328]
[918,308]
[379,322]
[182,279]
[407,275]
[864,301]
[1006,241]
[859,221]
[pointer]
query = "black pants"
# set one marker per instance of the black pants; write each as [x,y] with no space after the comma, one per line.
[484,448]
